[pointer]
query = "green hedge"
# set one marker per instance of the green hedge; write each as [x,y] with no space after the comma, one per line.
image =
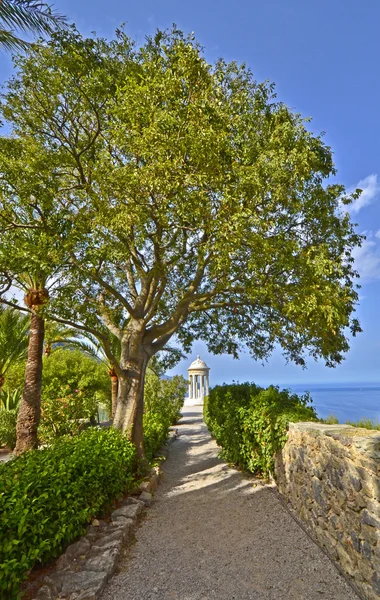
[48,496]
[250,423]
[164,399]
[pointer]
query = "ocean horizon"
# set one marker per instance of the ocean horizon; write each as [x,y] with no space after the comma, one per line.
[346,401]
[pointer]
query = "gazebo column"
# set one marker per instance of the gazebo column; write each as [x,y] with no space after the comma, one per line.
[206,385]
[190,378]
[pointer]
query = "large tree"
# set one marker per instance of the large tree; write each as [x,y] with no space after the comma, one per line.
[30,16]
[197,203]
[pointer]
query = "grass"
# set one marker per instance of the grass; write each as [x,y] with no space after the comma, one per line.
[364,422]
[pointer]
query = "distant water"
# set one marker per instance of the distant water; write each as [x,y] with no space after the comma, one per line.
[347,402]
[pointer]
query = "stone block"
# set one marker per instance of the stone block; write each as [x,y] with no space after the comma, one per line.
[130,511]
[105,561]
[69,582]
[78,549]
[45,593]
[146,497]
[146,486]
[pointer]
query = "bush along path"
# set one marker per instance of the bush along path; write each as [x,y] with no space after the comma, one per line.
[213,533]
[82,571]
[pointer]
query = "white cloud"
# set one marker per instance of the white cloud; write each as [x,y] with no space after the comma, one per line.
[367,261]
[377,234]
[370,190]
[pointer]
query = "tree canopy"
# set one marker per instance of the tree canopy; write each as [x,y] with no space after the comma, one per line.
[179,198]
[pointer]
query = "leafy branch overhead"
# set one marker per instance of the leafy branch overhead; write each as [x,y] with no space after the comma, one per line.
[174,197]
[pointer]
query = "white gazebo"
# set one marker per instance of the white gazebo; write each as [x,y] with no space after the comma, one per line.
[198,374]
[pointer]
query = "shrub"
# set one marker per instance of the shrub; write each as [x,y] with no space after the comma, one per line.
[164,399]
[250,423]
[331,420]
[366,423]
[8,420]
[10,399]
[47,496]
[73,385]
[64,411]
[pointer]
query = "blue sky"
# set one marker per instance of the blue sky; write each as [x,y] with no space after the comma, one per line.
[323,57]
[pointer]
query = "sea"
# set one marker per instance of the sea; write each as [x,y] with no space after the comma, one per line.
[347,402]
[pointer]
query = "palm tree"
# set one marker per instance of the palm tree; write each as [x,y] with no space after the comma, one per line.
[94,349]
[31,16]
[36,296]
[14,329]
[59,335]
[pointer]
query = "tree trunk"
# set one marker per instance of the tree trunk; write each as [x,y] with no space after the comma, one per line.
[114,388]
[130,402]
[30,406]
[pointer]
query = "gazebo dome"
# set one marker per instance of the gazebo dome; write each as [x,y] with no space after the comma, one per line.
[198,382]
[198,365]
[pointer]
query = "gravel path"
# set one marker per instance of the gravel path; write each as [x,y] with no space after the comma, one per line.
[213,534]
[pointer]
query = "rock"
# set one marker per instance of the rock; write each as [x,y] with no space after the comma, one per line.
[45,593]
[68,583]
[130,500]
[87,595]
[146,486]
[62,563]
[95,523]
[376,582]
[369,519]
[104,561]
[109,542]
[79,549]
[123,524]
[130,511]
[146,497]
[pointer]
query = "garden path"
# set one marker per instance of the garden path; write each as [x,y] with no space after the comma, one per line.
[212,533]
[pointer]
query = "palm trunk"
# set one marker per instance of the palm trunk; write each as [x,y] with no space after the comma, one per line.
[30,406]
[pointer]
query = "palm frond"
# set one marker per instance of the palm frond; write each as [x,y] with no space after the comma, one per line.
[10,41]
[30,16]
[14,329]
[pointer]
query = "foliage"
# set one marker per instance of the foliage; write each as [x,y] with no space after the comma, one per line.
[164,399]
[57,335]
[13,339]
[74,368]
[15,377]
[47,496]
[179,198]
[73,386]
[10,400]
[331,420]
[250,423]
[65,411]
[9,405]
[8,420]
[366,423]
[32,16]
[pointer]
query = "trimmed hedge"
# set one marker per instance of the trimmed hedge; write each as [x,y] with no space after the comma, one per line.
[48,496]
[251,423]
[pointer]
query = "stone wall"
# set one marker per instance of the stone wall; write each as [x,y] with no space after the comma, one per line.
[330,474]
